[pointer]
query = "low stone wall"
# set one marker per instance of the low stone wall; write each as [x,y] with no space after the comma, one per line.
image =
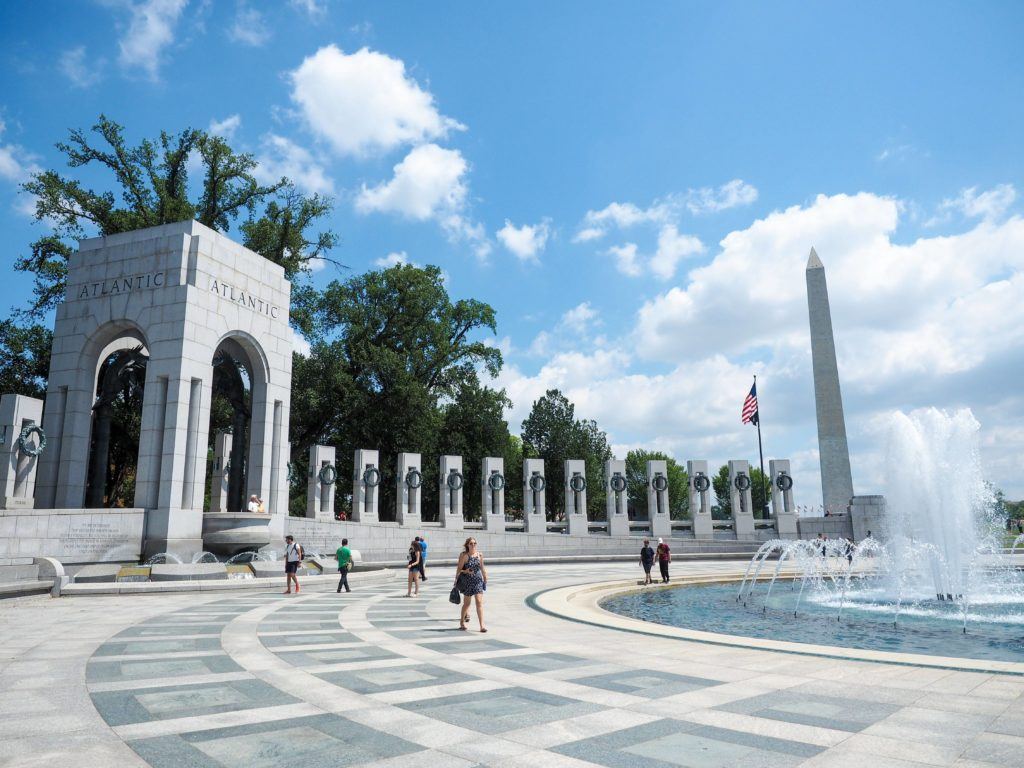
[833,526]
[71,535]
[388,542]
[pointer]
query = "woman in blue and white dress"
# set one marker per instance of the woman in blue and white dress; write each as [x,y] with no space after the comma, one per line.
[471,581]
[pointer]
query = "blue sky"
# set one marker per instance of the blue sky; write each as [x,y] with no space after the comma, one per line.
[634,187]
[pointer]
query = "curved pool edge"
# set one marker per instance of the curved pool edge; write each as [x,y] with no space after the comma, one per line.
[581,603]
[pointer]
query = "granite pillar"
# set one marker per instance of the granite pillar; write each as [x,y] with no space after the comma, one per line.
[323,482]
[365,486]
[700,490]
[409,489]
[492,493]
[616,497]
[534,490]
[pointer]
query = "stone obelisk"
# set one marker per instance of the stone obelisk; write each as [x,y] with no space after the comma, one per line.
[833,450]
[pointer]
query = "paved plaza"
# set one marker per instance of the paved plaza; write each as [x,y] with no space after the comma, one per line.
[371,678]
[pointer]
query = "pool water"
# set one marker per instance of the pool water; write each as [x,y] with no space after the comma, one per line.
[994,631]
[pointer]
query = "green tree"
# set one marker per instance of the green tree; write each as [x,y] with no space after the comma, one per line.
[636,488]
[513,455]
[24,358]
[152,188]
[552,432]
[389,347]
[722,510]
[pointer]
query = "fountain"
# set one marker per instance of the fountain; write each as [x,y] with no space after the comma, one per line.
[934,581]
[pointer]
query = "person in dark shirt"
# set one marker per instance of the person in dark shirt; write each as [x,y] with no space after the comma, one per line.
[647,560]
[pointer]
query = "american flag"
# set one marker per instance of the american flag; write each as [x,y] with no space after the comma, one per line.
[749,412]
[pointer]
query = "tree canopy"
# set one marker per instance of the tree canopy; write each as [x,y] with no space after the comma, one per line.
[553,433]
[152,183]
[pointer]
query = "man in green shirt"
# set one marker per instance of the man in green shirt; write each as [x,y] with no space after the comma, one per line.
[344,563]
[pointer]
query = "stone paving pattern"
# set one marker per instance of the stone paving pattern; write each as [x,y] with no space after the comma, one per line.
[375,679]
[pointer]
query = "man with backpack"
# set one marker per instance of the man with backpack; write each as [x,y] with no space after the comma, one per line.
[293,555]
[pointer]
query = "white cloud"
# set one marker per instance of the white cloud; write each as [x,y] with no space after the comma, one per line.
[580,317]
[226,127]
[525,242]
[732,194]
[428,181]
[314,9]
[151,28]
[249,26]
[17,165]
[393,259]
[672,248]
[626,259]
[81,72]
[280,156]
[299,343]
[596,224]
[988,205]
[364,103]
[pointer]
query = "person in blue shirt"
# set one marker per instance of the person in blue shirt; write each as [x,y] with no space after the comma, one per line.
[423,558]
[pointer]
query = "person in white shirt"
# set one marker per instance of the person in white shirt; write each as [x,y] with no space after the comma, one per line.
[292,558]
[254,503]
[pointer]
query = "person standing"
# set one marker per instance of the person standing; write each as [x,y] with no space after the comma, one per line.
[423,558]
[647,560]
[664,558]
[292,558]
[413,568]
[254,504]
[344,564]
[471,581]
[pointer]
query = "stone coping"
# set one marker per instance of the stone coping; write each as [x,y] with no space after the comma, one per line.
[37,512]
[581,603]
[322,583]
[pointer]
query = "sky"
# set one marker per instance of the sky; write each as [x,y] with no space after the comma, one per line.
[634,187]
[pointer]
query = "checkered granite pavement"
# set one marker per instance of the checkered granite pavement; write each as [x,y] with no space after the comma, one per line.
[373,678]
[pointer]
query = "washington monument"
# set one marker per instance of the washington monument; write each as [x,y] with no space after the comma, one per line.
[833,451]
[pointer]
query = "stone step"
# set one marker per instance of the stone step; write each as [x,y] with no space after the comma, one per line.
[24,588]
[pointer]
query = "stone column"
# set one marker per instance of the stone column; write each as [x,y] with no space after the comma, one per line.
[492,494]
[534,489]
[739,497]
[219,476]
[782,498]
[409,487]
[450,493]
[575,495]
[700,499]
[657,498]
[616,497]
[18,466]
[365,490]
[323,482]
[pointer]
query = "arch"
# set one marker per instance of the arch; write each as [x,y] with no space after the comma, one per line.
[241,398]
[115,358]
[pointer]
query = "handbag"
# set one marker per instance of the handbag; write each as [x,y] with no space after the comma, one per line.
[454,597]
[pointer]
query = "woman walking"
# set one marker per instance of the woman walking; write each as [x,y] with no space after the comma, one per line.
[664,558]
[414,569]
[471,581]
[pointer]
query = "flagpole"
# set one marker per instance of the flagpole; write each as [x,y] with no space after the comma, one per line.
[760,451]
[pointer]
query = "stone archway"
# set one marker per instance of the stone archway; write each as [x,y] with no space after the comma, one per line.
[116,427]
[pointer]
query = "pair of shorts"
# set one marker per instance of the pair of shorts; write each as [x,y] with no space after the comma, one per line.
[291,567]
